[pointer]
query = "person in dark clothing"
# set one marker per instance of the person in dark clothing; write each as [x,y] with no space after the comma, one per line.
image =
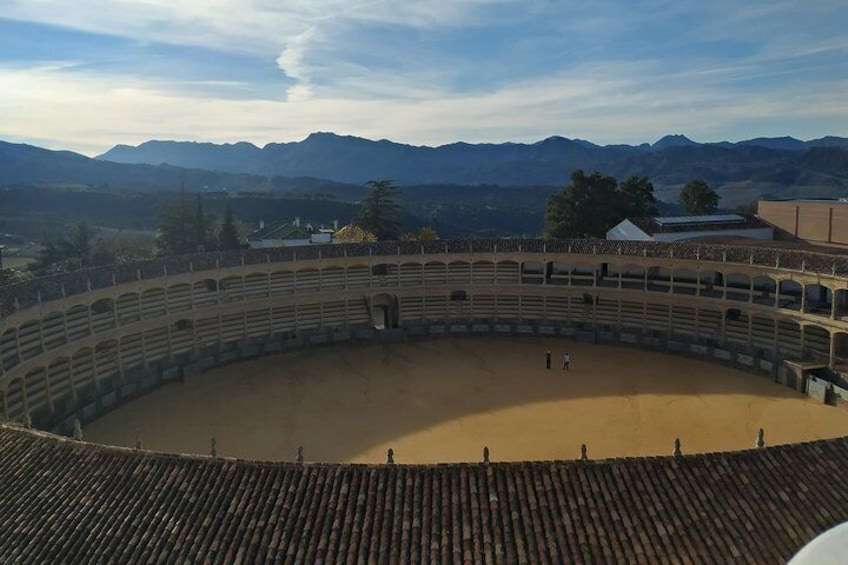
[548,359]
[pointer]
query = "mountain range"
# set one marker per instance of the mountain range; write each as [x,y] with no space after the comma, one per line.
[672,160]
[328,164]
[481,190]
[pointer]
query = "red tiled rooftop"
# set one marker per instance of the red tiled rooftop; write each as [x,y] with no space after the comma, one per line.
[72,502]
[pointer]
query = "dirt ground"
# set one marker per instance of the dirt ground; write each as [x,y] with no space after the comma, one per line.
[443,400]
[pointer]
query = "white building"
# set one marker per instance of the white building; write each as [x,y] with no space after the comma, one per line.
[285,234]
[691,228]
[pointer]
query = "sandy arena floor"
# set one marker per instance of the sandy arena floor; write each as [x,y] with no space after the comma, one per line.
[443,400]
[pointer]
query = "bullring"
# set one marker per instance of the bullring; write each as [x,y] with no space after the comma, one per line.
[77,345]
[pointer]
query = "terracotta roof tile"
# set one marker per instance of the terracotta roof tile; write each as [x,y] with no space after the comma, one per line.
[68,501]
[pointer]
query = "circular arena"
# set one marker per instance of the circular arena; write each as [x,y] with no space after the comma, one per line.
[76,349]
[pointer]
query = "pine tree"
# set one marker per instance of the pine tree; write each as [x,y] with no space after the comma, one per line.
[228,237]
[380,211]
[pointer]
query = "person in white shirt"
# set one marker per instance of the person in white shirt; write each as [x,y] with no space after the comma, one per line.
[566,361]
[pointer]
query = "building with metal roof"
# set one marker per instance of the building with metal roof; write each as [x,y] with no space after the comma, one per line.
[690,228]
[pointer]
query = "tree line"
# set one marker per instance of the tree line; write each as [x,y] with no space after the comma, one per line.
[592,204]
[586,208]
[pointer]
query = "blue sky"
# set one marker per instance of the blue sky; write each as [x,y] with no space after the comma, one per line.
[86,75]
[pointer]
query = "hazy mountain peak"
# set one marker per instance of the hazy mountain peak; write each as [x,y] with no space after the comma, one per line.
[673,140]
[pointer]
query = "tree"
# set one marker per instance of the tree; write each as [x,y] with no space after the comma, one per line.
[228,237]
[182,232]
[380,212]
[698,198]
[63,253]
[587,207]
[425,233]
[637,197]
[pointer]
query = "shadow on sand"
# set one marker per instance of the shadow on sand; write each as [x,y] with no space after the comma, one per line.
[444,399]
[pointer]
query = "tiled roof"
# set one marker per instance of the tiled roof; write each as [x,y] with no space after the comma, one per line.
[280,230]
[71,502]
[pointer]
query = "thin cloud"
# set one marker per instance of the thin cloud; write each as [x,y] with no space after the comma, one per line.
[429,71]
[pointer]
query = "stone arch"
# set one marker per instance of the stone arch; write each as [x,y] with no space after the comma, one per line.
[127,308]
[435,273]
[582,272]
[103,315]
[632,276]
[53,330]
[153,303]
[411,274]
[483,272]
[307,279]
[840,297]
[60,383]
[9,348]
[332,278]
[256,286]
[231,288]
[840,350]
[685,281]
[659,279]
[816,343]
[762,333]
[737,286]
[459,272]
[29,339]
[179,297]
[765,288]
[559,273]
[76,322]
[533,272]
[358,276]
[281,282]
[818,299]
[204,293]
[106,358]
[789,338]
[789,294]
[736,326]
[15,402]
[37,392]
[507,272]
[711,283]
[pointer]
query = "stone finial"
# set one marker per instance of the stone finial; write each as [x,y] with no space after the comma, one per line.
[584,453]
[677,451]
[761,438]
[486,454]
[77,429]
[298,456]
[213,447]
[390,456]
[139,445]
[27,420]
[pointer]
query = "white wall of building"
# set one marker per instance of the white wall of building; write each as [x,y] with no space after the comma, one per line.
[758,233]
[266,243]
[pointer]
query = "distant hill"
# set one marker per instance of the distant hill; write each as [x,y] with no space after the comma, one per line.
[670,161]
[21,163]
[461,189]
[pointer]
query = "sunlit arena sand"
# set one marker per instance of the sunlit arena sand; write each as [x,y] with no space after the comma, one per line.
[443,400]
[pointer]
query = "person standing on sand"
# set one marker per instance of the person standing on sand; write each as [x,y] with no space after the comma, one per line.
[548,359]
[566,361]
